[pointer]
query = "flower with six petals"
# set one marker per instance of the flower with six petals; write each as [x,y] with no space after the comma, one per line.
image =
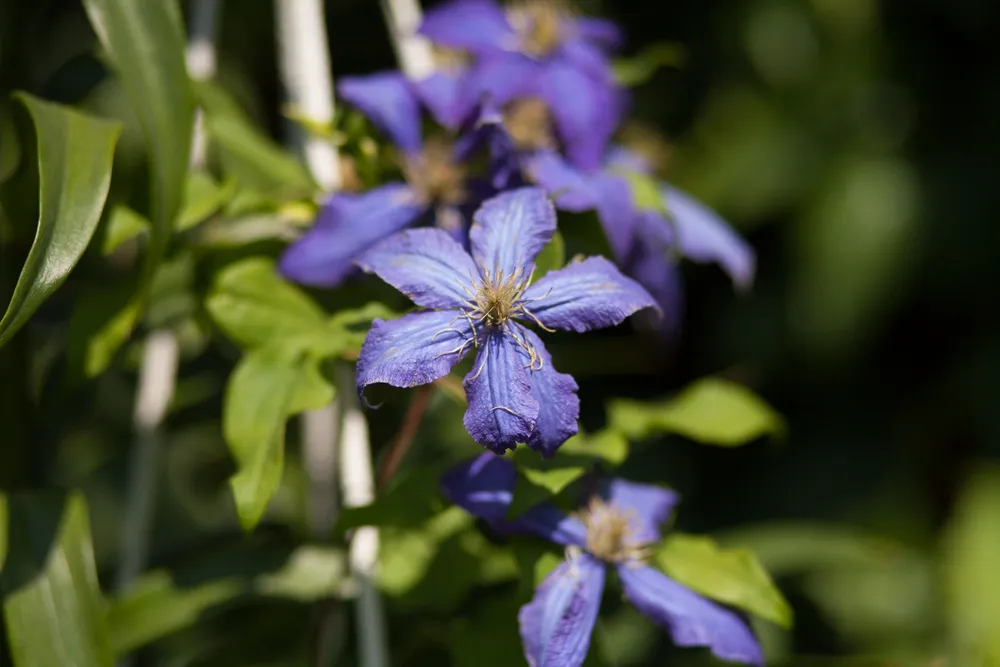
[481,301]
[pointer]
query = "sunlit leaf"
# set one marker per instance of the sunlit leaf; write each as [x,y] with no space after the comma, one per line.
[203,196]
[972,578]
[52,602]
[711,411]
[607,445]
[123,224]
[268,385]
[732,576]
[552,256]
[253,305]
[145,41]
[74,171]
[641,68]
[101,321]
[535,486]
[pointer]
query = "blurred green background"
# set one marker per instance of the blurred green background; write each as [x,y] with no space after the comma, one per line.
[853,142]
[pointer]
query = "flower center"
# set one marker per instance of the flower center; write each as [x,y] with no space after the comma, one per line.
[609,533]
[498,297]
[529,124]
[539,24]
[434,173]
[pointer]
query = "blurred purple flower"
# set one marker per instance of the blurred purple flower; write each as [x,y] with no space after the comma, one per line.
[514,393]
[643,241]
[537,52]
[615,528]
[348,224]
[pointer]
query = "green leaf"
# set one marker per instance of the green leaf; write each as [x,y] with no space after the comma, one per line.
[645,191]
[640,69]
[711,411]
[732,576]
[535,486]
[74,171]
[203,196]
[607,445]
[145,41]
[253,305]
[268,385]
[123,224]
[101,322]
[3,530]
[406,504]
[248,153]
[52,602]
[972,580]
[552,256]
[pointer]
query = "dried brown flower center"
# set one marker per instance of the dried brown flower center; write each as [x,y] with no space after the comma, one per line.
[610,533]
[435,174]
[539,24]
[529,124]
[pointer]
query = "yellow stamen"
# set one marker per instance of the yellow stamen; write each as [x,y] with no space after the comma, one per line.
[539,24]
[610,533]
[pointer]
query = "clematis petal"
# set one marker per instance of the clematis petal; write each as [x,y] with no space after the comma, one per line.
[427,265]
[556,625]
[415,349]
[389,103]
[690,619]
[591,294]
[651,264]
[648,506]
[347,225]
[702,235]
[509,230]
[472,25]
[626,159]
[502,411]
[601,32]
[584,108]
[441,93]
[616,211]
[484,487]
[558,404]
[498,79]
[571,188]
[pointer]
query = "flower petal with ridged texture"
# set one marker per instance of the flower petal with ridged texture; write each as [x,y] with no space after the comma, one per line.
[415,349]
[703,236]
[484,487]
[591,294]
[502,411]
[649,506]
[427,265]
[346,226]
[690,619]
[558,404]
[509,230]
[388,101]
[472,25]
[556,625]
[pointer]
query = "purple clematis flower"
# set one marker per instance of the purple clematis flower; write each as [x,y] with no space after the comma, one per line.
[615,528]
[514,393]
[537,52]
[643,241]
[349,223]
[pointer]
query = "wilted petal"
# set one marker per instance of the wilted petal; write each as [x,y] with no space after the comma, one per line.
[571,188]
[389,103]
[592,294]
[473,25]
[502,411]
[415,349]
[427,265]
[602,32]
[690,619]
[702,235]
[647,505]
[346,226]
[558,404]
[583,108]
[484,487]
[440,93]
[509,230]
[557,623]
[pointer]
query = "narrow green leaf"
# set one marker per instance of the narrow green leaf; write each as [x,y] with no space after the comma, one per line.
[52,602]
[972,580]
[607,445]
[99,325]
[145,41]
[203,196]
[253,305]
[74,171]
[123,224]
[732,576]
[534,486]
[711,411]
[268,385]
[249,154]
[641,68]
